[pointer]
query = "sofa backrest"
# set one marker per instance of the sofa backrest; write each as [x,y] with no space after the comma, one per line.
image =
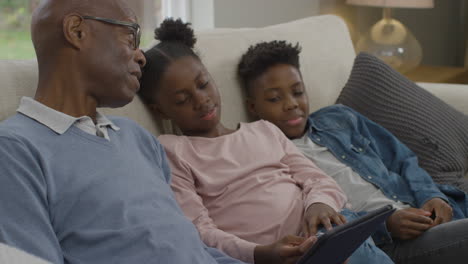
[18,78]
[326,61]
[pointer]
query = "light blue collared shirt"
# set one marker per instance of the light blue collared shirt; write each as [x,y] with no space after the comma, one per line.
[60,122]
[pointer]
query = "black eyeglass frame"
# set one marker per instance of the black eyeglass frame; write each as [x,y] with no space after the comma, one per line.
[134,26]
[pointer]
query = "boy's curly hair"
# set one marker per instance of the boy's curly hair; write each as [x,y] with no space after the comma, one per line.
[262,56]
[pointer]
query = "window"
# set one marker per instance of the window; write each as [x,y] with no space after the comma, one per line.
[15,19]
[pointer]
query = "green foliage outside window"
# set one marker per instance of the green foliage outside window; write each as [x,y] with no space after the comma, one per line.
[15,20]
[14,14]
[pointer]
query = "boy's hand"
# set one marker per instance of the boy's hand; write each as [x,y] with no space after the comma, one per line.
[287,250]
[409,223]
[442,210]
[320,214]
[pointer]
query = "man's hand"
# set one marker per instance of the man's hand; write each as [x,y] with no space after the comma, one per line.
[320,214]
[442,210]
[287,250]
[409,223]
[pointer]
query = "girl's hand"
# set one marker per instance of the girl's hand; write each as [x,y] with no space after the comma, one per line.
[287,250]
[320,214]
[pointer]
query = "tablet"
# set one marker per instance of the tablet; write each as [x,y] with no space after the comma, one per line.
[336,245]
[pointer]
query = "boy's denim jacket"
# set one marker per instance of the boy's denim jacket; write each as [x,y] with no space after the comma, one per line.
[381,159]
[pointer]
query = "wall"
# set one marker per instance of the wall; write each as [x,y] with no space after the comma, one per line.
[148,13]
[202,16]
[441,31]
[259,13]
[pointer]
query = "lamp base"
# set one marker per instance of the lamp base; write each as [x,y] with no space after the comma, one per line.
[393,43]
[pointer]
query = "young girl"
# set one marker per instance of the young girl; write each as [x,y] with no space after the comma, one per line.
[243,188]
[368,162]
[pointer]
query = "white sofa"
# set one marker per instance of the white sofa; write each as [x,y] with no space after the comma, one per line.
[326,61]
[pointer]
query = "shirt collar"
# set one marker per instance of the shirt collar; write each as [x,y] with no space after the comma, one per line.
[55,120]
[102,121]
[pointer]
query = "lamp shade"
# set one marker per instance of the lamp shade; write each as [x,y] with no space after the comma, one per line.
[394,3]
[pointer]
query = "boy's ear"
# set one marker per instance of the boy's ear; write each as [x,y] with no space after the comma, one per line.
[251,107]
[155,109]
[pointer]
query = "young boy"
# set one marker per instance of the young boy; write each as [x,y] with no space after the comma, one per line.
[368,162]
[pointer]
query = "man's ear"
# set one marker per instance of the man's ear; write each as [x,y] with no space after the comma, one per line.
[74,30]
[251,107]
[156,109]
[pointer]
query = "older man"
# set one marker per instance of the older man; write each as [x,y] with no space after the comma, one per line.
[75,186]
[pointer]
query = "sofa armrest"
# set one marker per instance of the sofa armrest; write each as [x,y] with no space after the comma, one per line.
[455,95]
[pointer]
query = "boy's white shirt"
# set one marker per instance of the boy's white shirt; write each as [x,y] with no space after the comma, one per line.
[362,195]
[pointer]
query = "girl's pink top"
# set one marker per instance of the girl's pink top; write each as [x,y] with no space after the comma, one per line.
[246,188]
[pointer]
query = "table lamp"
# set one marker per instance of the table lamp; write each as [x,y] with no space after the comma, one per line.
[389,39]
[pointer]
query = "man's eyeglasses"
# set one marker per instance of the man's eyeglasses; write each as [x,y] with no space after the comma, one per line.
[134,26]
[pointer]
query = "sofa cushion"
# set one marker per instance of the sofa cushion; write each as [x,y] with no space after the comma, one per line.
[19,78]
[435,131]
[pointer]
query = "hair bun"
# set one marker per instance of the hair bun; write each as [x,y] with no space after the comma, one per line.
[172,30]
